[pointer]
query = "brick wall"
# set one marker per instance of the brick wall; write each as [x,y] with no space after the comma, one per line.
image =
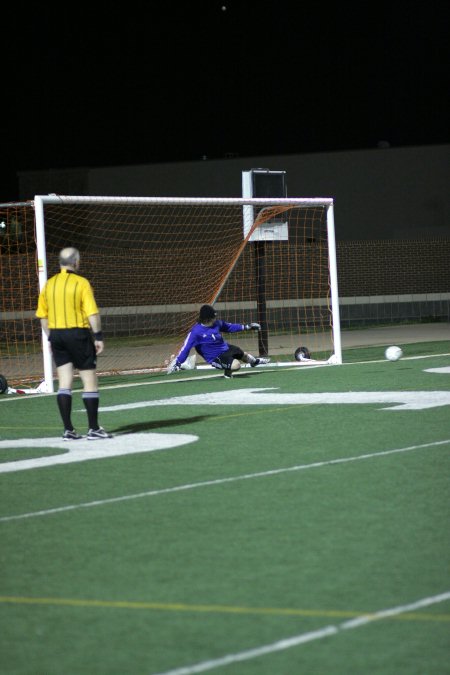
[387,267]
[380,281]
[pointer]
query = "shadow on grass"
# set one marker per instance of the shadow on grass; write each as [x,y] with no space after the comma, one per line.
[158,424]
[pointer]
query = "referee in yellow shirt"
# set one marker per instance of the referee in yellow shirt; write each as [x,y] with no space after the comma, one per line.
[69,317]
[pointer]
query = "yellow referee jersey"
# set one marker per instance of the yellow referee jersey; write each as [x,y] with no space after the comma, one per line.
[66,301]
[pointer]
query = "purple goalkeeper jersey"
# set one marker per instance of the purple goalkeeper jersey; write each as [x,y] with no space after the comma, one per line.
[208,340]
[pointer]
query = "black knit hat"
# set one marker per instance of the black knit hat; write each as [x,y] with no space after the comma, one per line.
[207,313]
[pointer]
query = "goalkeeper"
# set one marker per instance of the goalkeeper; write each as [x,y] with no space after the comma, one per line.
[207,340]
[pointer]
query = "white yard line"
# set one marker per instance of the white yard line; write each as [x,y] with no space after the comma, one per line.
[218,481]
[296,640]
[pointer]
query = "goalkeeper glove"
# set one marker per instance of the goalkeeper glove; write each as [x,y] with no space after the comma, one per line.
[252,326]
[173,367]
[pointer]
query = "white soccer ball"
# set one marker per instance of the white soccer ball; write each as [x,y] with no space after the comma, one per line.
[393,353]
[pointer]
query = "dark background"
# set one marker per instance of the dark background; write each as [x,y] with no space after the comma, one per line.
[141,83]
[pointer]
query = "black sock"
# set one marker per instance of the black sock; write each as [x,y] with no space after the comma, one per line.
[64,400]
[91,401]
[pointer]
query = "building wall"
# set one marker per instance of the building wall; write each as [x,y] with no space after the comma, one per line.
[390,193]
[393,281]
[392,216]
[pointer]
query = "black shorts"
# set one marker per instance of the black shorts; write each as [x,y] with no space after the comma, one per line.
[73,345]
[225,359]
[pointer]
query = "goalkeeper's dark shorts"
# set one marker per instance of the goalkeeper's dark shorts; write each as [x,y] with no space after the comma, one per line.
[225,359]
[73,345]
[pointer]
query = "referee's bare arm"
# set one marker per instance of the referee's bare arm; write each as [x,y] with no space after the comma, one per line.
[44,326]
[96,327]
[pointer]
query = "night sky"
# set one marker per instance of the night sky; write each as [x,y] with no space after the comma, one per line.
[138,83]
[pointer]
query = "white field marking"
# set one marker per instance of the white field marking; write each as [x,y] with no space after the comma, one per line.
[219,481]
[445,370]
[296,640]
[292,365]
[84,450]
[124,385]
[406,400]
[246,369]
[274,364]
[215,375]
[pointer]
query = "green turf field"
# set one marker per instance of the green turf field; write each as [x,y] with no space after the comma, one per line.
[292,520]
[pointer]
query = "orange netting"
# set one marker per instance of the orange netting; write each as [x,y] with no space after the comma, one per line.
[153,265]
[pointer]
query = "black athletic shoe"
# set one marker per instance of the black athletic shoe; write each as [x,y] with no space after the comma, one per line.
[227,373]
[259,362]
[97,434]
[71,435]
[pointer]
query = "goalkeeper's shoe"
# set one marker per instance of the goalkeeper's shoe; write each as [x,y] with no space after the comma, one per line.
[71,435]
[261,361]
[97,434]
[173,367]
[227,373]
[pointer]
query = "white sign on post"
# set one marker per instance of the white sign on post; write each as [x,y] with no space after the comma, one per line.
[272,230]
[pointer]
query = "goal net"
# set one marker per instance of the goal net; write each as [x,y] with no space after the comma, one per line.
[153,262]
[20,336]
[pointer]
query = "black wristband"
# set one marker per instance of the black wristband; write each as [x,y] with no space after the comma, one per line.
[98,337]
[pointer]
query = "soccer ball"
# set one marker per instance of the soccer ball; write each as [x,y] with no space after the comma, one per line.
[393,353]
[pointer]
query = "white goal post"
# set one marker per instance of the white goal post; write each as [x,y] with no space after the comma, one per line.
[174,243]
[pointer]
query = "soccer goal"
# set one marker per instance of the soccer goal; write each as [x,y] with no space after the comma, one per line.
[154,261]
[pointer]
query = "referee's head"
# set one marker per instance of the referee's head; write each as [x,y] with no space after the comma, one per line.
[69,258]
